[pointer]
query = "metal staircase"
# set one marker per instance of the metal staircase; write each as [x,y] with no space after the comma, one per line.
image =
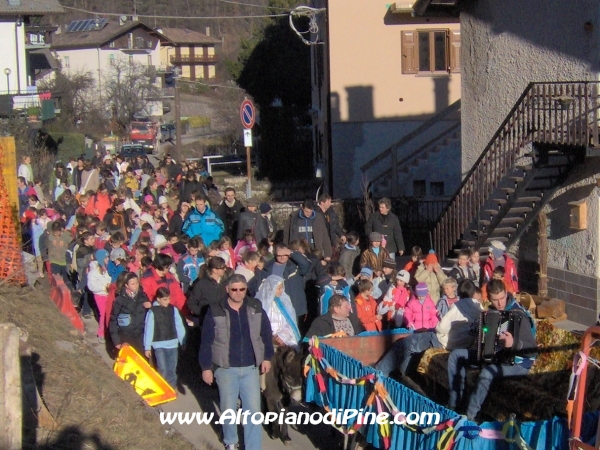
[550,129]
[410,151]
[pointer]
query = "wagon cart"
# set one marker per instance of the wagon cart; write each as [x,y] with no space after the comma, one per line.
[339,377]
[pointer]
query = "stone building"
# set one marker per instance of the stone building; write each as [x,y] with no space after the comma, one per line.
[530,83]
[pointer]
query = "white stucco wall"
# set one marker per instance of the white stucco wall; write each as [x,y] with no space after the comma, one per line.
[12,44]
[97,62]
[508,43]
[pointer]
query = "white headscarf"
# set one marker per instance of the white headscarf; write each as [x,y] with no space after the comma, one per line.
[279,325]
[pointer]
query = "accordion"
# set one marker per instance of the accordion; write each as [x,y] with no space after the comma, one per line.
[492,324]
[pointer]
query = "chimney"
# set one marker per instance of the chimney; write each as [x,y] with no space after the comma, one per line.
[208,31]
[14,2]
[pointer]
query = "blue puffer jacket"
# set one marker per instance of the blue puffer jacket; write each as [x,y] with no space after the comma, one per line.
[206,225]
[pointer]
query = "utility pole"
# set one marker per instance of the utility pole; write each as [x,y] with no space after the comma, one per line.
[177,117]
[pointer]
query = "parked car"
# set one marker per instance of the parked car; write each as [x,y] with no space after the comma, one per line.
[132,150]
[167,132]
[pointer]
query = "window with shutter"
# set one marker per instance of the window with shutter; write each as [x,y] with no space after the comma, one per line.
[430,52]
[454,65]
[409,52]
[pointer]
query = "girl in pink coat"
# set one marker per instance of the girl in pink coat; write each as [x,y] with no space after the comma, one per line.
[420,311]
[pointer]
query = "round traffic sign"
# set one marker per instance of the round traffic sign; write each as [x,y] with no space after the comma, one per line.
[247,114]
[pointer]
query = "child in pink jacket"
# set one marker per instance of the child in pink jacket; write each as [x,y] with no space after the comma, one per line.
[420,312]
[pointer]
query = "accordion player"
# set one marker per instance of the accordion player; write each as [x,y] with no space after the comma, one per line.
[490,349]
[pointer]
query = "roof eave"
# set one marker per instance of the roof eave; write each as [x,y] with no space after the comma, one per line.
[435,8]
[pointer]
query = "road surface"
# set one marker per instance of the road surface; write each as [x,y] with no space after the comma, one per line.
[196,396]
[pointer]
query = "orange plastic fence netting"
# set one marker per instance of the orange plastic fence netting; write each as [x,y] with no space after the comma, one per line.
[12,270]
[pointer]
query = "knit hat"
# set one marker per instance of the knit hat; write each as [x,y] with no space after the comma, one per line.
[265,208]
[100,256]
[162,199]
[367,271]
[145,217]
[323,280]
[497,248]
[404,276]
[148,198]
[421,290]
[252,201]
[117,253]
[390,263]
[375,237]
[159,241]
[431,258]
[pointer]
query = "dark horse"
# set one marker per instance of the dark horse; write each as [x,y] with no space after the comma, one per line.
[284,386]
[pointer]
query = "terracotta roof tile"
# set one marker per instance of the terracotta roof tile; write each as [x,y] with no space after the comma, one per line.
[33,7]
[187,36]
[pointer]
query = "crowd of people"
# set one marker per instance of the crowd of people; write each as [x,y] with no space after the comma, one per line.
[159,256]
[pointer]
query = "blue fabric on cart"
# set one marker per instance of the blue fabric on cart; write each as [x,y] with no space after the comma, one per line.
[540,435]
[386,332]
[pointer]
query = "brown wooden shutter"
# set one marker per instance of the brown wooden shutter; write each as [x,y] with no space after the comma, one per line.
[454,61]
[410,63]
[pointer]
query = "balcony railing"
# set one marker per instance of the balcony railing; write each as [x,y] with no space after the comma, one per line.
[192,59]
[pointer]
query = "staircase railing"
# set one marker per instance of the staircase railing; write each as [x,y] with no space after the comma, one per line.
[564,113]
[392,151]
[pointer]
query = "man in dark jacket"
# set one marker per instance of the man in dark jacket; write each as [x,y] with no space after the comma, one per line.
[248,219]
[235,348]
[173,168]
[229,211]
[307,224]
[387,223]
[188,185]
[521,343]
[331,220]
[266,223]
[291,266]
[338,318]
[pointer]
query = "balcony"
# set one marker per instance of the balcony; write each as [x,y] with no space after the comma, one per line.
[193,59]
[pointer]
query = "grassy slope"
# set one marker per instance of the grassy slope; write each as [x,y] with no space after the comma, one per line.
[94,408]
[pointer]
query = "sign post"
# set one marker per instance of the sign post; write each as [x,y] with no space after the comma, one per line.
[248,116]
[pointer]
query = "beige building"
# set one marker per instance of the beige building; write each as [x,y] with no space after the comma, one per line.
[379,74]
[192,51]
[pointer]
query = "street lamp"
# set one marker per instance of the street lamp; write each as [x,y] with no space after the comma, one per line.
[7,73]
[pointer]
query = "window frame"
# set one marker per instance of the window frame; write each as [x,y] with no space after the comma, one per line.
[411,58]
[432,61]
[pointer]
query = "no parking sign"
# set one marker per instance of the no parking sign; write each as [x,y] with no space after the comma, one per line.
[247,114]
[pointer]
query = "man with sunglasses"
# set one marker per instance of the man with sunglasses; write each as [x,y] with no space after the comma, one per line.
[235,348]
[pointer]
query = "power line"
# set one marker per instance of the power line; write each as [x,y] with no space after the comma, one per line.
[256,6]
[151,16]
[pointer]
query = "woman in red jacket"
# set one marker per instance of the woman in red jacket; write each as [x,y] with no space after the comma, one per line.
[158,275]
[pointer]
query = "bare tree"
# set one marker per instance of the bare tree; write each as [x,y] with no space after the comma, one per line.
[77,94]
[130,89]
